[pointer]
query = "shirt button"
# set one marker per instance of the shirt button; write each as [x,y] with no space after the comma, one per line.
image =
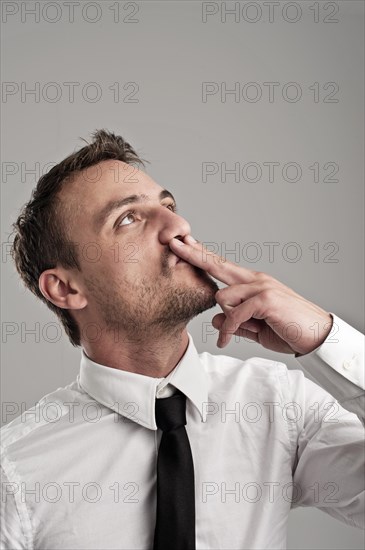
[346,365]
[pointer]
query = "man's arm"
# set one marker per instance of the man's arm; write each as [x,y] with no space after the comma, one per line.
[338,366]
[327,440]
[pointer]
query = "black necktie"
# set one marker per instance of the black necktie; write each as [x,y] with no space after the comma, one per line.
[175,513]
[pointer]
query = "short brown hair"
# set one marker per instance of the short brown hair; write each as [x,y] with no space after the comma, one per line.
[41,241]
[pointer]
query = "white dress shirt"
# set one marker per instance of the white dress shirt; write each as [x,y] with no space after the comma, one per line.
[79,468]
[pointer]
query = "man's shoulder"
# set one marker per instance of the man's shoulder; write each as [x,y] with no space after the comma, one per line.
[48,410]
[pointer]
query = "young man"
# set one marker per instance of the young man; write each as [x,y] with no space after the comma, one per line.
[259,439]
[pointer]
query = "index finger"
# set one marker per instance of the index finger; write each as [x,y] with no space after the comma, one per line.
[217,266]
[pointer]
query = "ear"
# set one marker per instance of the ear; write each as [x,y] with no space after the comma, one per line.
[59,287]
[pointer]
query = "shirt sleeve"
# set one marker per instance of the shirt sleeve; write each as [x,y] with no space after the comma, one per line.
[328,452]
[338,366]
[11,532]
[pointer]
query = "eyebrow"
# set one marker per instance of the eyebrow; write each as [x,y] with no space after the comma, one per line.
[101,217]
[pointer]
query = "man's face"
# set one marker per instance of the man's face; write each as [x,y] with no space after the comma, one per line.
[128,273]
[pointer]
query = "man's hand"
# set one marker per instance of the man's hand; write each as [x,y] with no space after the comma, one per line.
[257,306]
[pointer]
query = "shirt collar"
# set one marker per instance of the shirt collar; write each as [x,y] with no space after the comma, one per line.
[133,395]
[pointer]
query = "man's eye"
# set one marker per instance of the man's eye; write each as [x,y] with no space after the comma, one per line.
[132,213]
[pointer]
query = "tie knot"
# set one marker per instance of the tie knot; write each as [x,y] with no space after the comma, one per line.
[170,412]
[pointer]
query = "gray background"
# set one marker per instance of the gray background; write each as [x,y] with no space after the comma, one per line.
[168,52]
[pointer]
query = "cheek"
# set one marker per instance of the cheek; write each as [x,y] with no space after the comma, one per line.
[113,260]
[130,253]
[137,256]
[99,262]
[124,263]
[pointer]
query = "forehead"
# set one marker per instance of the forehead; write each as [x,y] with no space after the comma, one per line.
[89,190]
[111,177]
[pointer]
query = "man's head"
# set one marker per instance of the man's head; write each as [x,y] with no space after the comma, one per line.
[96,264]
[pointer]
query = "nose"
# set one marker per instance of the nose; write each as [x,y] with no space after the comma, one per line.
[172,225]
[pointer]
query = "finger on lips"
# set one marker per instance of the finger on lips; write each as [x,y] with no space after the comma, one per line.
[227,272]
[220,268]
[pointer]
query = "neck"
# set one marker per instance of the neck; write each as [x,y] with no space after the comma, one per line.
[156,356]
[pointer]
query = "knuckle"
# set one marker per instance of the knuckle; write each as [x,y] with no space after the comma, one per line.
[267,295]
[265,286]
[231,315]
[218,259]
[261,276]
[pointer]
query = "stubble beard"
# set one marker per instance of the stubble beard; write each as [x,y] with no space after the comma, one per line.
[159,307]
